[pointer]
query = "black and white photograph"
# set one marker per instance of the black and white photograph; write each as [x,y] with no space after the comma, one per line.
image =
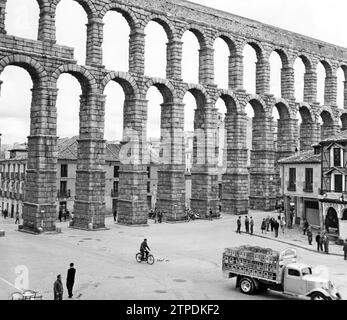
[188,152]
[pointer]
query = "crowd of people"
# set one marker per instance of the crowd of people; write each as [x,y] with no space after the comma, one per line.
[273,224]
[156,215]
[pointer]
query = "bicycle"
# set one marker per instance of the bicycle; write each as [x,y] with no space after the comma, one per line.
[149,259]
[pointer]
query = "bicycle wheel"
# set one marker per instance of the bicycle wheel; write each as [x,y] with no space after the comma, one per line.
[150,259]
[138,257]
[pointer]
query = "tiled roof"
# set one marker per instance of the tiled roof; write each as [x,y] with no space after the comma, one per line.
[303,157]
[341,136]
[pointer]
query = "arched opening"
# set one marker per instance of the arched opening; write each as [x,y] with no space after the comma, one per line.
[221,135]
[114,112]
[299,71]
[321,75]
[327,124]
[155,99]
[249,68]
[68,105]
[115,45]
[190,57]
[340,74]
[249,132]
[275,74]
[71,16]
[15,128]
[68,130]
[306,132]
[221,63]
[332,222]
[155,50]
[190,107]
[22,18]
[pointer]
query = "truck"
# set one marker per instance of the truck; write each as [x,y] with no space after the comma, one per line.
[258,269]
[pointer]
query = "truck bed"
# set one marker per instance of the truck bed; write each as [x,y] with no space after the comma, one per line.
[248,262]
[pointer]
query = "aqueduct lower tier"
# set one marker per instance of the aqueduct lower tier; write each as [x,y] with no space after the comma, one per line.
[46,61]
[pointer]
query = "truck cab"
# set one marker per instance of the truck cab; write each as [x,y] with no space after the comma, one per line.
[299,281]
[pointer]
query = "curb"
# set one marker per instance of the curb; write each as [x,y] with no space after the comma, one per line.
[293,244]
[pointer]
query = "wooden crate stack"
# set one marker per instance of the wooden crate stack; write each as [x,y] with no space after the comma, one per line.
[252,261]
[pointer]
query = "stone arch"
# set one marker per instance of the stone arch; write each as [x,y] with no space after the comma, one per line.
[306,112]
[258,48]
[84,77]
[228,40]
[343,66]
[282,54]
[306,60]
[164,22]
[199,93]
[125,80]
[332,221]
[229,99]
[282,108]
[166,89]
[37,72]
[327,66]
[327,115]
[344,215]
[257,103]
[124,10]
[199,34]
[88,6]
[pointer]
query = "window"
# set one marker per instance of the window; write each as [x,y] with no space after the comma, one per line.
[337,157]
[63,185]
[293,272]
[338,183]
[148,172]
[148,186]
[63,170]
[306,271]
[292,179]
[116,172]
[115,186]
[308,180]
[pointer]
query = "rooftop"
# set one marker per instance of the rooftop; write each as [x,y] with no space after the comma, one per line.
[302,157]
[339,137]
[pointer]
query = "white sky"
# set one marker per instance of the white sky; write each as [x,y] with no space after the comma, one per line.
[316,19]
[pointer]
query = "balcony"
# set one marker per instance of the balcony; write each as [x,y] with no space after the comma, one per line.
[114,193]
[64,194]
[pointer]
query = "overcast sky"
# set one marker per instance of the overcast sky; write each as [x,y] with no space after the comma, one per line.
[317,19]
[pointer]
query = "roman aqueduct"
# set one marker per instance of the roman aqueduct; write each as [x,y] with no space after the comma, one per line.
[46,60]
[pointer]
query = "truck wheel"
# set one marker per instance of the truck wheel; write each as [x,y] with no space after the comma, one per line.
[318,296]
[246,286]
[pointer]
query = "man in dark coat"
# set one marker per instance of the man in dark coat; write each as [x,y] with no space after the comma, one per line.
[251,223]
[60,215]
[238,225]
[210,214]
[319,243]
[247,224]
[144,248]
[276,227]
[58,288]
[70,279]
[309,235]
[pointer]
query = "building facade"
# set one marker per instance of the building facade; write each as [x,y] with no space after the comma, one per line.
[13,168]
[333,196]
[300,177]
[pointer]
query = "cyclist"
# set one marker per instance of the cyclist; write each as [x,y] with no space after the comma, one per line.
[144,249]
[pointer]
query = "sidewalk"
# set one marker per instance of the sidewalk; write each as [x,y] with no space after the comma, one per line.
[293,237]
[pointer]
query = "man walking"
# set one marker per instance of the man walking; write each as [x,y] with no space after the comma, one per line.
[318,240]
[238,225]
[309,235]
[345,249]
[58,288]
[60,215]
[276,227]
[251,222]
[306,224]
[247,224]
[326,243]
[17,218]
[210,215]
[70,279]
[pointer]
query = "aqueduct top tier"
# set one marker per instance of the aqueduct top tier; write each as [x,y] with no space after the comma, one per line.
[46,61]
